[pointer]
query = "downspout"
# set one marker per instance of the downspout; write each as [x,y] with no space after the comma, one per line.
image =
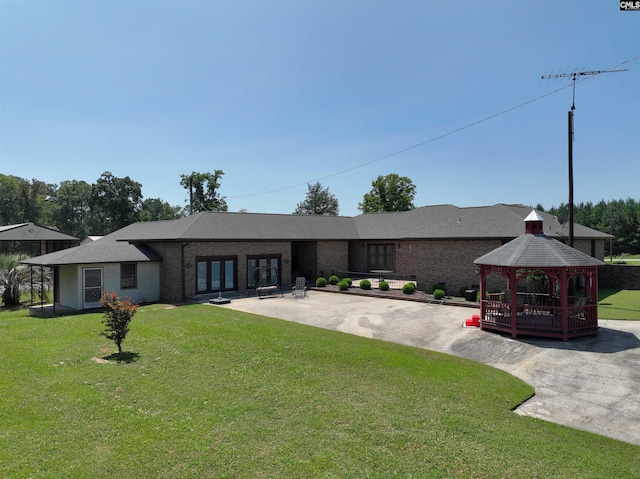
[184,290]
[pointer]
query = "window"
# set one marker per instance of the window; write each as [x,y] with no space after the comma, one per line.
[128,275]
[381,256]
[263,270]
[215,274]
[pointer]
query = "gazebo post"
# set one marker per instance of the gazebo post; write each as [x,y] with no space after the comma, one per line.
[513,307]
[564,303]
[483,290]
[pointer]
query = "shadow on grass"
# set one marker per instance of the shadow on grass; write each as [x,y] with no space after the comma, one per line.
[126,357]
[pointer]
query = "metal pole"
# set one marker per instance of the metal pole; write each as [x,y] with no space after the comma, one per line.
[570,125]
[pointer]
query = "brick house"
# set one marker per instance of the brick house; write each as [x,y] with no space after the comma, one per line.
[211,252]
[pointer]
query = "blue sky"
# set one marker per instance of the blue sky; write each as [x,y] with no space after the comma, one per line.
[278,94]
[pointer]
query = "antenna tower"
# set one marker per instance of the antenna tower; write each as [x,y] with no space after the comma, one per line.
[574,75]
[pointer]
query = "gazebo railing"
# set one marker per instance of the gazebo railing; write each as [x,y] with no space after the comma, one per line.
[582,315]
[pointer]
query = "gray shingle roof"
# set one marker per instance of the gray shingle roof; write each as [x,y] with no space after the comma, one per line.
[104,250]
[537,250]
[429,222]
[219,226]
[451,222]
[31,232]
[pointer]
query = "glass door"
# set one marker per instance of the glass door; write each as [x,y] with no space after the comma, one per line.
[215,274]
[92,287]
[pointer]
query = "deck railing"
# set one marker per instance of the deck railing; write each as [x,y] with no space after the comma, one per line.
[545,316]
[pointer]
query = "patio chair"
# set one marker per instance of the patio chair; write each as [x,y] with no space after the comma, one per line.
[299,290]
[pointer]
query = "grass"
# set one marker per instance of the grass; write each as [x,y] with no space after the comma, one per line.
[631,259]
[212,393]
[619,304]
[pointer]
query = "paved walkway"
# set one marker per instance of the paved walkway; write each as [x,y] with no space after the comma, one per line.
[588,383]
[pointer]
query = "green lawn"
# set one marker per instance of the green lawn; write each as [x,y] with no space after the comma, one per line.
[619,304]
[212,393]
[632,259]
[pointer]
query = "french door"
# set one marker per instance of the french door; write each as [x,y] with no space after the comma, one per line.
[263,270]
[215,274]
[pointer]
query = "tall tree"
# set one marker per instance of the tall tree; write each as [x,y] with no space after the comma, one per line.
[154,209]
[389,193]
[71,208]
[115,203]
[318,202]
[203,189]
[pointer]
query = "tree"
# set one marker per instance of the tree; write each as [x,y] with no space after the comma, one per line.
[154,209]
[115,203]
[389,193]
[318,202]
[17,278]
[117,316]
[71,208]
[203,191]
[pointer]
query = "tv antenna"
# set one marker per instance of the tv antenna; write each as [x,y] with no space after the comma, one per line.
[574,76]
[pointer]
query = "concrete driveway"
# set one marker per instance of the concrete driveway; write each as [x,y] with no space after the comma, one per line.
[588,383]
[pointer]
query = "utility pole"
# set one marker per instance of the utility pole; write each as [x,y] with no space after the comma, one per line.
[573,77]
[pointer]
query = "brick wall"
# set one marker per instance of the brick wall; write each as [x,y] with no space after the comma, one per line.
[621,276]
[332,256]
[447,261]
[173,271]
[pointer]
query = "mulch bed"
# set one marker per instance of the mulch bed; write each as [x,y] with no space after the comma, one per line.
[418,296]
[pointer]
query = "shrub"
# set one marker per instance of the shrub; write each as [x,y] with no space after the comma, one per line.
[321,282]
[117,316]
[343,285]
[439,294]
[384,286]
[365,284]
[333,279]
[462,290]
[348,280]
[437,286]
[409,288]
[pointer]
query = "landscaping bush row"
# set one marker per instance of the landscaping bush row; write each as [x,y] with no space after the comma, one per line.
[365,284]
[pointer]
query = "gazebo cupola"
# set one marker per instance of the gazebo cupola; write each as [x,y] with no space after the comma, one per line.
[552,308]
[533,224]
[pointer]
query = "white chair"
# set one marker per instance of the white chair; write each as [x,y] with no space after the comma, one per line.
[299,291]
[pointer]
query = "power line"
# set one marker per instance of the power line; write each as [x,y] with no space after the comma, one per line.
[431,140]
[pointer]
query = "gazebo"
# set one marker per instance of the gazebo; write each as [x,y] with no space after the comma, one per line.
[552,272]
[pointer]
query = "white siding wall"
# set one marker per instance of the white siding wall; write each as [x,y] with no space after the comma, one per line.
[147,291]
[148,282]
[69,287]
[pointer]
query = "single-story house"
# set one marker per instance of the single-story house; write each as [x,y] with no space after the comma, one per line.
[212,252]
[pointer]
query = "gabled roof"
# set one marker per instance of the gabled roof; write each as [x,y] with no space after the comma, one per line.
[32,232]
[429,222]
[224,226]
[104,250]
[500,221]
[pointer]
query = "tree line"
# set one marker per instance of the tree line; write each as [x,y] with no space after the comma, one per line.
[80,209]
[621,218]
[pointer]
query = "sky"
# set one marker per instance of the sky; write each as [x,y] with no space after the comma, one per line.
[281,94]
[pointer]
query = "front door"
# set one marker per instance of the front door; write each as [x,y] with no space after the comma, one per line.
[92,287]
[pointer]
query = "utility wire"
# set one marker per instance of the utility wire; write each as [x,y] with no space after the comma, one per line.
[431,140]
